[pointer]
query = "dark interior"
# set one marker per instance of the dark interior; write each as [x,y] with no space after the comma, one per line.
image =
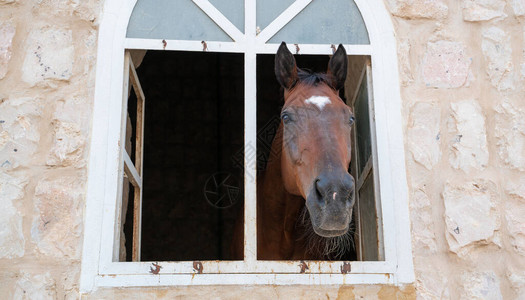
[193,139]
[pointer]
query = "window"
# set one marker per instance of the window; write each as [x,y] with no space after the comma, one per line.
[231,27]
[370,245]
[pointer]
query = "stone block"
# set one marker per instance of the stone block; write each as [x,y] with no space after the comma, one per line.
[445,65]
[431,285]
[73,110]
[515,188]
[480,286]
[470,214]
[86,10]
[12,241]
[509,131]
[49,56]
[7,32]
[35,286]
[418,9]
[68,145]
[57,225]
[497,50]
[70,282]
[19,131]
[423,237]
[469,146]
[483,10]
[516,278]
[515,217]
[424,134]
[403,50]
[518,7]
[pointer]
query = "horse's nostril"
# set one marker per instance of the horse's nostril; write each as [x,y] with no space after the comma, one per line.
[318,189]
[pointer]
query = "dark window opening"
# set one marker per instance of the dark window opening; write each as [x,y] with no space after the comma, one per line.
[193,179]
[193,155]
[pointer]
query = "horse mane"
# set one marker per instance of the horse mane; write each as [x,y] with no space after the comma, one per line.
[310,78]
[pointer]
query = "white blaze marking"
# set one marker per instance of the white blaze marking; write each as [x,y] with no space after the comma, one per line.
[319,101]
[334,195]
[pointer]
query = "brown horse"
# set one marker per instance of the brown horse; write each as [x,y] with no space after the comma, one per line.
[305,196]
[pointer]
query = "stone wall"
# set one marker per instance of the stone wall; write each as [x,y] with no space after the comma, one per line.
[47,77]
[461,65]
[462,69]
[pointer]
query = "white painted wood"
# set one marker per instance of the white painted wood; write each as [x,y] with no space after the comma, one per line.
[310,49]
[130,170]
[157,44]
[103,168]
[315,49]
[245,279]
[286,16]
[391,156]
[250,136]
[373,160]
[139,161]
[220,19]
[359,243]
[242,267]
[97,175]
[101,201]
[136,82]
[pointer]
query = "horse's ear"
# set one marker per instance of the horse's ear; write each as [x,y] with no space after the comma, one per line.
[285,67]
[338,67]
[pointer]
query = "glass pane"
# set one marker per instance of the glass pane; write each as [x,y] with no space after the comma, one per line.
[362,115]
[233,10]
[173,20]
[368,220]
[268,10]
[325,22]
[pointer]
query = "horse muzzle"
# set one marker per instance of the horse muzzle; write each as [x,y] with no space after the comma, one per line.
[330,204]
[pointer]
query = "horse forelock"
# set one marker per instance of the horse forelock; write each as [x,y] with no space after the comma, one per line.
[310,84]
[310,78]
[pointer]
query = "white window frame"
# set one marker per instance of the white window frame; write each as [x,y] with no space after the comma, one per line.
[100,266]
[371,165]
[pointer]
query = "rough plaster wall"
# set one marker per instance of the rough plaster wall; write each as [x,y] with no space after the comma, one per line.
[463,107]
[462,72]
[47,76]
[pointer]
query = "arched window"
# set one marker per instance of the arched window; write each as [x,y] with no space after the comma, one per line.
[250,29]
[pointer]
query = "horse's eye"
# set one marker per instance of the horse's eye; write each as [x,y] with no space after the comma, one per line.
[352,120]
[286,118]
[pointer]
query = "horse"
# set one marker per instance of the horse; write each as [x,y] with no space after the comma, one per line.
[305,196]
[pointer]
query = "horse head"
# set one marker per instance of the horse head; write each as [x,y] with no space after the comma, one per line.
[316,148]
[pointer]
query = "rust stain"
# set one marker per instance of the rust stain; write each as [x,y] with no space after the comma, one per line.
[303,266]
[204,46]
[346,268]
[197,266]
[164,44]
[155,270]
[297,49]
[333,48]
